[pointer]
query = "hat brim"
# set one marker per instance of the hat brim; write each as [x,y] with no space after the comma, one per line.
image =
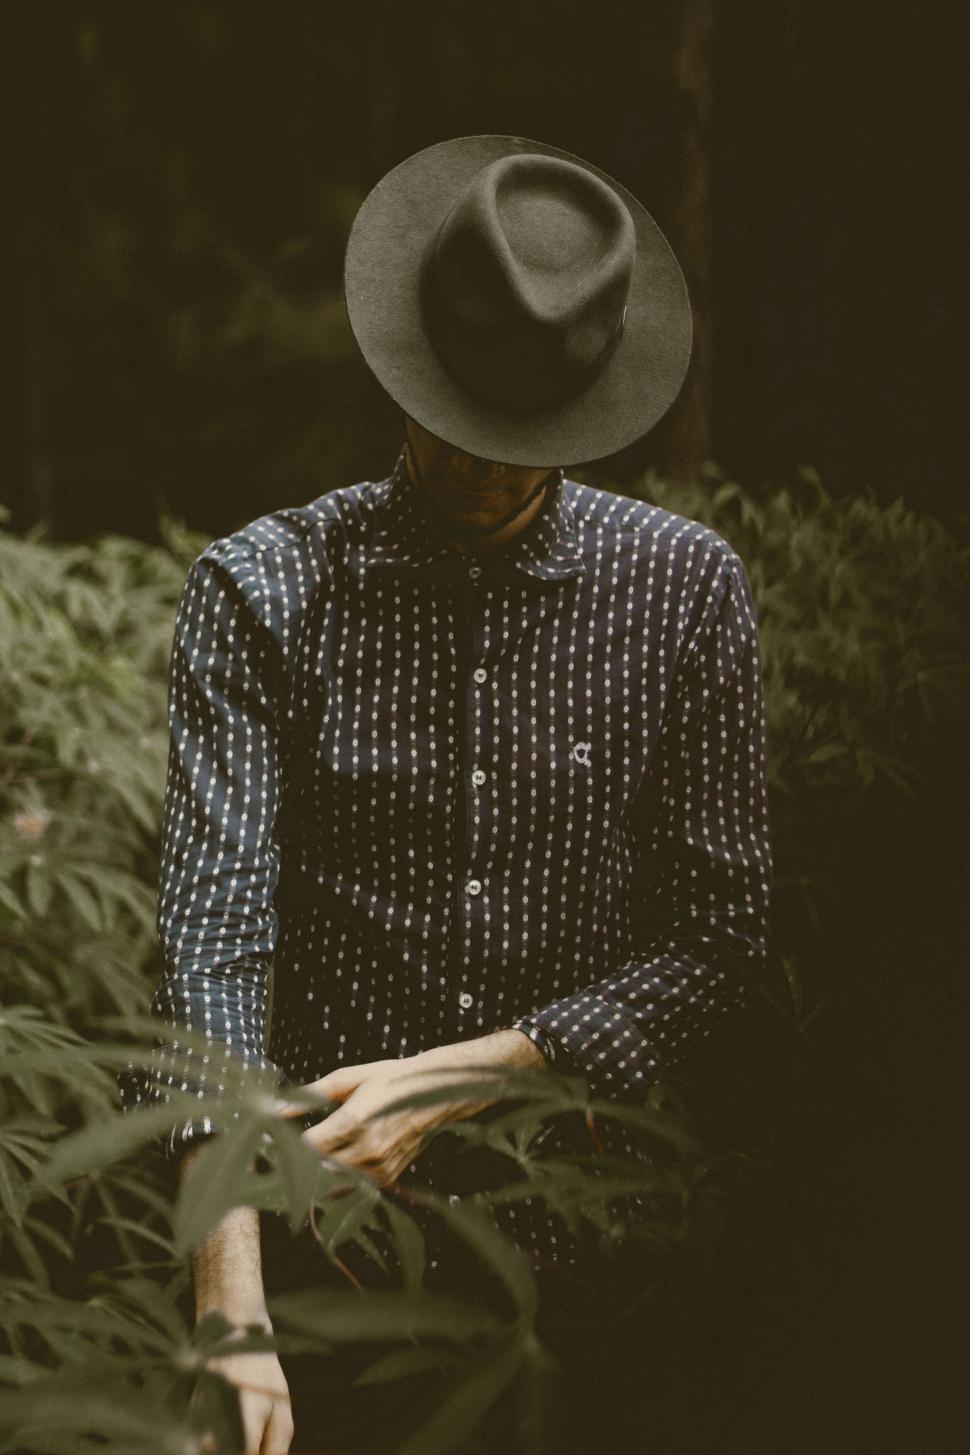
[638,383]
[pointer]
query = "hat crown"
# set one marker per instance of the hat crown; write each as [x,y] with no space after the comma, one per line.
[525,284]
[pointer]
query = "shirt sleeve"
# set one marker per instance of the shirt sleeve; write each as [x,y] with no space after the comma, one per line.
[700,903]
[216,921]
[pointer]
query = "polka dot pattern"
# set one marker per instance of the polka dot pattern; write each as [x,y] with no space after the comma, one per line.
[444,797]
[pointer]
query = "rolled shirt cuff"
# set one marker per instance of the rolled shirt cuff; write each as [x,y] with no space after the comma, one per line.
[541,1038]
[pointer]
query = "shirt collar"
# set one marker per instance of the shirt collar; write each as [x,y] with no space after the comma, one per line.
[406,534]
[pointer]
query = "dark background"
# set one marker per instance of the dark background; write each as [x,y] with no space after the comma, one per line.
[184,176]
[181,178]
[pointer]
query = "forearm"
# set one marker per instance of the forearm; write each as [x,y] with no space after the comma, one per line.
[499,1051]
[227,1266]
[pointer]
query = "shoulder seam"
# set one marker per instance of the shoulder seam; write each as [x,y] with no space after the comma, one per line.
[726,552]
[248,550]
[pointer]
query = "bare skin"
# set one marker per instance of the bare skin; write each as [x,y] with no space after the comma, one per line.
[471,492]
[361,1135]
[227,1266]
[228,1277]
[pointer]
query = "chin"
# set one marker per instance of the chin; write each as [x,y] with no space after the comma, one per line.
[474,519]
[478,487]
[473,502]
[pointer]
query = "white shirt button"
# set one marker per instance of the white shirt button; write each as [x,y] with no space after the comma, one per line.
[474,886]
[480,674]
[465,1000]
[474,572]
[478,777]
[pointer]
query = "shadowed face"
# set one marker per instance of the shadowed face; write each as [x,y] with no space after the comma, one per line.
[472,493]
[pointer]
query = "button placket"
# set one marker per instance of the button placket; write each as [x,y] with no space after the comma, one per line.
[468,887]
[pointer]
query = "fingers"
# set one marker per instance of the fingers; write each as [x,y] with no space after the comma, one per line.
[337,1085]
[279,1431]
[381,1155]
[254,1422]
[335,1131]
[292,1108]
[360,1134]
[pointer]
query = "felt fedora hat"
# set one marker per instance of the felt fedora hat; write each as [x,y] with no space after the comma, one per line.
[517,302]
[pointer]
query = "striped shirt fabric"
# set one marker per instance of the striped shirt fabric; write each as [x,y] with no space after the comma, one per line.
[445,794]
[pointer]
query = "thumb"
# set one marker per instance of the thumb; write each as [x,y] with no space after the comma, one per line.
[338,1084]
[335,1086]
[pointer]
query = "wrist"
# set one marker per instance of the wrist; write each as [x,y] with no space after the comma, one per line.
[549,1049]
[238,1312]
[227,1270]
[501,1050]
[505,1049]
[528,1051]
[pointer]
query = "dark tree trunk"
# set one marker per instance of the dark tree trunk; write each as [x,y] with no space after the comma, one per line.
[686,439]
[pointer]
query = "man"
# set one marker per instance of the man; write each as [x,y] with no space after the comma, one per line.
[475,752]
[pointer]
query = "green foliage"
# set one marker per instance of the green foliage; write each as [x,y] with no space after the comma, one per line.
[862,614]
[85,633]
[859,609]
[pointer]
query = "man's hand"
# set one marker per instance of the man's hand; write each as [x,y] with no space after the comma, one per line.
[361,1133]
[264,1400]
[228,1276]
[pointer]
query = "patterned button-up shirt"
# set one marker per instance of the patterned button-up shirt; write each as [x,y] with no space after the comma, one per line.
[448,794]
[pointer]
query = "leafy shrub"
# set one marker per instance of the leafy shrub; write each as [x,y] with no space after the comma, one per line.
[85,634]
[861,617]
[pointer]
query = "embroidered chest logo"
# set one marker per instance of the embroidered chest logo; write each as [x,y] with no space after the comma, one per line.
[581,753]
